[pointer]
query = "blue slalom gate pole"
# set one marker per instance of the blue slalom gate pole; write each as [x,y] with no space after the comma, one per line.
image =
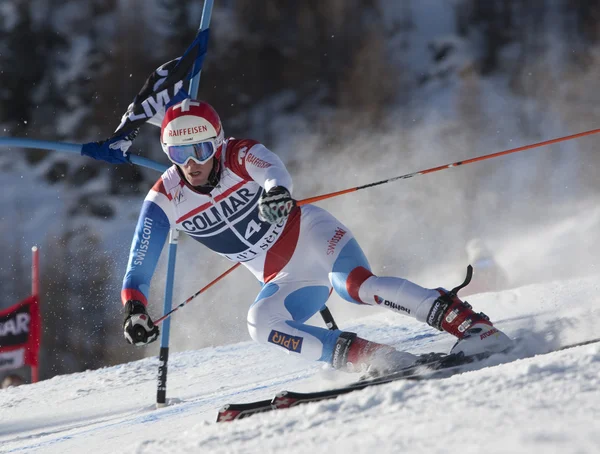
[19,142]
[204,23]
[163,357]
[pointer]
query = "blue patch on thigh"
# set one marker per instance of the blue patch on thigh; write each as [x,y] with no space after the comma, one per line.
[350,257]
[265,292]
[305,302]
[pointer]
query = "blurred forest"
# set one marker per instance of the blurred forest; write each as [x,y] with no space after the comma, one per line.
[69,68]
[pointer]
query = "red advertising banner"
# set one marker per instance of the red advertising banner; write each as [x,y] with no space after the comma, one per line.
[20,332]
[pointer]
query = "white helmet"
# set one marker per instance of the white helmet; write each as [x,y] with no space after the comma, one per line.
[191,130]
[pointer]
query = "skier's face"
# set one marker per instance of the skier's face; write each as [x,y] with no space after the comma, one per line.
[197,174]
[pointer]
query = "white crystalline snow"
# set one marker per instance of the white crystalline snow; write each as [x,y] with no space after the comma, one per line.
[548,403]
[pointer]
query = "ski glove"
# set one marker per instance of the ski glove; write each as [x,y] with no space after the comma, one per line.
[138,327]
[275,205]
[113,150]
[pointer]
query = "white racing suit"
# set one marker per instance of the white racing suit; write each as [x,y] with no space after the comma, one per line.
[298,261]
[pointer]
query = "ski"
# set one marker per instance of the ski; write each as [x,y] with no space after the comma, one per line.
[286,399]
[239,411]
[432,366]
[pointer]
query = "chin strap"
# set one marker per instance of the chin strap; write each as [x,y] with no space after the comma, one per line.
[213,178]
[215,174]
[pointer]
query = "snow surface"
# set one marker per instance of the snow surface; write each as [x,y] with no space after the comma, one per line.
[528,207]
[548,403]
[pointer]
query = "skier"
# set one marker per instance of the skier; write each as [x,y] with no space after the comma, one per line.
[235,197]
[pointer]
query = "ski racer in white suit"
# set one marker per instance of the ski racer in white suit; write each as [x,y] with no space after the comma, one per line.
[235,197]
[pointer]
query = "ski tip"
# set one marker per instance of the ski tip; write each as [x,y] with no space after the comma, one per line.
[226,415]
[231,412]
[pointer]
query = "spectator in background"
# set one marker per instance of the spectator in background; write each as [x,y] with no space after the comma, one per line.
[488,275]
[12,380]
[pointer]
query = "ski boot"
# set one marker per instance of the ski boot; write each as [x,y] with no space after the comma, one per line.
[355,354]
[475,333]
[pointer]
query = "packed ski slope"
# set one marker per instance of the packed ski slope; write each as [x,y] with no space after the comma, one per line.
[548,403]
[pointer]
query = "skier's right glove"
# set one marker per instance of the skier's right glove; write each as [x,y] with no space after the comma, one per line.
[138,327]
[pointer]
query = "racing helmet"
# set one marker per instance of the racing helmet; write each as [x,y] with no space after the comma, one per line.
[191,129]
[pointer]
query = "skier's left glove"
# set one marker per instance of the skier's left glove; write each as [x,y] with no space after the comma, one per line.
[113,150]
[275,205]
[138,327]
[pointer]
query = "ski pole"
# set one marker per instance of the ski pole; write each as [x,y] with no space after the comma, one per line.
[389,180]
[328,319]
[325,313]
[202,290]
[447,166]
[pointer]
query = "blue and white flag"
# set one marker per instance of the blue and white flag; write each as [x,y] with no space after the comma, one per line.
[163,88]
[163,85]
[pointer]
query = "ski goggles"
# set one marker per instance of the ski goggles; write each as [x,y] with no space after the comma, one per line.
[198,152]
